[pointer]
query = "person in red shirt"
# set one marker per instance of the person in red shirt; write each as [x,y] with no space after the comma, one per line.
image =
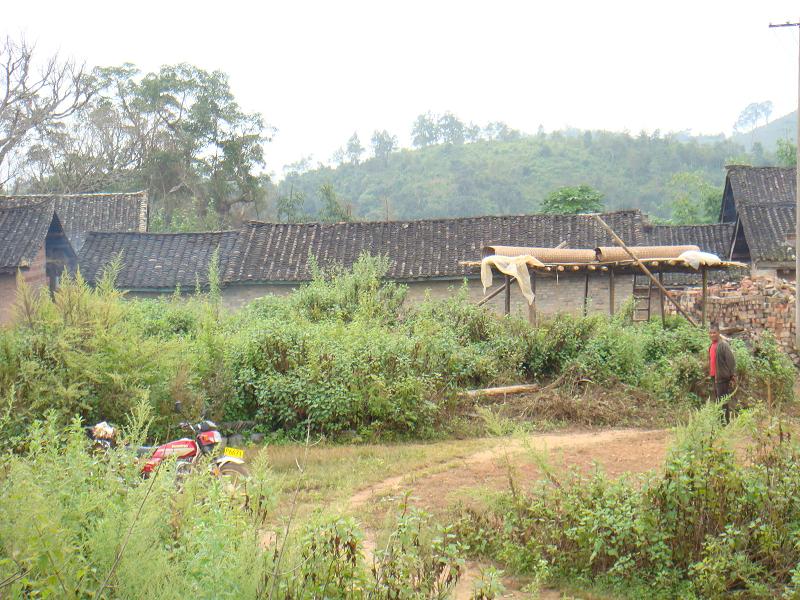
[722,370]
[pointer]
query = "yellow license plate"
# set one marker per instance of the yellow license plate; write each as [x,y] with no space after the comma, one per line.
[234,452]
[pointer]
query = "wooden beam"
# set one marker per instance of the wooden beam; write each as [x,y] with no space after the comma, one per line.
[502,391]
[611,293]
[705,292]
[645,270]
[508,294]
[586,294]
[492,295]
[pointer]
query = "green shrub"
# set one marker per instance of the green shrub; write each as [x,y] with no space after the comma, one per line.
[708,523]
[339,355]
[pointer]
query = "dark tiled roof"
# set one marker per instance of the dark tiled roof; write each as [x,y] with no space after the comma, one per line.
[155,261]
[23,230]
[715,238]
[764,199]
[761,185]
[277,252]
[766,228]
[82,213]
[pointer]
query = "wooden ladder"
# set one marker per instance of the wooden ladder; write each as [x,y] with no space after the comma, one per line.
[642,294]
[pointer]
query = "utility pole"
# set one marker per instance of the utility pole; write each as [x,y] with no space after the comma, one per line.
[797,201]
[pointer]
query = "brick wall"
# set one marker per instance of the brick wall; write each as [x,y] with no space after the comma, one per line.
[749,307]
[35,276]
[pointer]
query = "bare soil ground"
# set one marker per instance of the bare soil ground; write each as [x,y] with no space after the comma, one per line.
[467,479]
[437,487]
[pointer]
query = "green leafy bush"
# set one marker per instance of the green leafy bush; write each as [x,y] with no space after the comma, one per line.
[341,356]
[709,524]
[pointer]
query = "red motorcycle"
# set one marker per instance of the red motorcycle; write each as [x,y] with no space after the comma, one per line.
[229,465]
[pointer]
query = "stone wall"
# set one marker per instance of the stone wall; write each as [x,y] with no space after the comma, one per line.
[563,294]
[554,295]
[749,307]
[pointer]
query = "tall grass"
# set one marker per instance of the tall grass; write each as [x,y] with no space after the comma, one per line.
[77,524]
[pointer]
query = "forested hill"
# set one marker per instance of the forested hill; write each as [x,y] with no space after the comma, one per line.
[513,176]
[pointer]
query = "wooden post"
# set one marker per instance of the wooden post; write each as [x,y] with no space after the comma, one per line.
[661,299]
[508,294]
[611,292]
[532,307]
[705,292]
[484,300]
[586,294]
[641,265]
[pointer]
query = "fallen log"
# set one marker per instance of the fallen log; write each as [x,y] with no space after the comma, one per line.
[503,390]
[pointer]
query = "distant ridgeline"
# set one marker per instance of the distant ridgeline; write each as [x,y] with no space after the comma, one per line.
[783,128]
[514,176]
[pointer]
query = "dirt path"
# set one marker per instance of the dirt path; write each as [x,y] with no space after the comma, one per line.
[438,486]
[617,451]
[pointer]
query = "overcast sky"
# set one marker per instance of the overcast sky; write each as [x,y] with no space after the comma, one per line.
[318,71]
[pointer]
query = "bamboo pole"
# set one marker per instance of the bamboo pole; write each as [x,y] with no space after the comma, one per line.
[619,242]
[532,307]
[661,299]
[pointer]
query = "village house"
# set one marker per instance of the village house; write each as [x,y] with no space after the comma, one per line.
[34,247]
[756,226]
[40,235]
[760,203]
[81,213]
[154,264]
[425,255]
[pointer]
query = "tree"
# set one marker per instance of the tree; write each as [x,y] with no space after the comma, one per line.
[786,153]
[497,130]
[752,113]
[383,144]
[337,158]
[573,200]
[472,133]
[425,131]
[693,199]
[35,100]
[179,132]
[354,149]
[332,211]
[303,165]
[450,129]
[766,110]
[290,206]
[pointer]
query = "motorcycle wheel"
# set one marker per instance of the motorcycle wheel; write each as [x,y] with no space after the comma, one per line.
[234,478]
